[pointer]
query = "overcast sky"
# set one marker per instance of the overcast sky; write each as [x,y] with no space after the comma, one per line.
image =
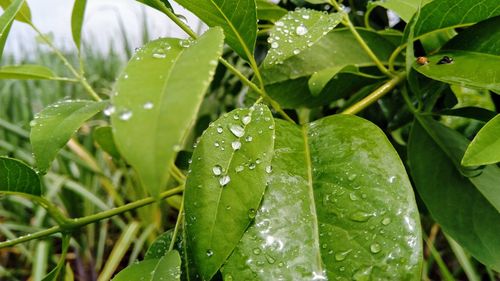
[101,25]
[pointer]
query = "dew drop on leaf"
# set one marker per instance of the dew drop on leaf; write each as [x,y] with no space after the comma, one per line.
[224,180]
[274,45]
[360,216]
[125,115]
[301,30]
[386,221]
[217,170]
[239,169]
[375,248]
[340,256]
[210,253]
[248,138]
[256,251]
[237,130]
[148,105]
[236,145]
[246,119]
[269,169]
[109,110]
[220,130]
[251,213]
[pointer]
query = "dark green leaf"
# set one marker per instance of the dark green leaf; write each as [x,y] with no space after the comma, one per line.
[104,137]
[468,69]
[54,273]
[6,20]
[483,37]
[164,268]
[24,14]
[452,199]
[53,127]
[238,18]
[485,147]
[157,99]
[269,11]
[471,112]
[26,71]
[160,246]
[15,176]
[339,205]
[227,182]
[77,21]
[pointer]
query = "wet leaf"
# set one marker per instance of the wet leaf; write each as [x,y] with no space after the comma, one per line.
[153,108]
[339,205]
[15,176]
[53,127]
[485,147]
[238,18]
[452,198]
[26,71]
[229,174]
[167,267]
[77,21]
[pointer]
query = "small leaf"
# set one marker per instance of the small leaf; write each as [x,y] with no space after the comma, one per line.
[77,21]
[24,15]
[26,71]
[104,137]
[469,69]
[485,147]
[238,18]
[164,268]
[54,273]
[6,20]
[297,31]
[15,176]
[229,174]
[157,98]
[405,9]
[269,11]
[339,205]
[474,223]
[53,127]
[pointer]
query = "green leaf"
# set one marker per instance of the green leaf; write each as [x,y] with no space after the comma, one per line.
[160,5]
[6,20]
[15,176]
[339,205]
[54,273]
[436,15]
[26,71]
[104,137]
[269,11]
[297,31]
[24,15]
[228,179]
[238,18]
[485,147]
[167,267]
[470,69]
[405,9]
[77,21]
[452,199]
[53,127]
[483,37]
[157,99]
[160,246]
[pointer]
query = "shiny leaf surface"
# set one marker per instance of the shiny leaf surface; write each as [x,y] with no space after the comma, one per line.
[229,175]
[15,176]
[26,71]
[167,267]
[153,106]
[485,147]
[339,205]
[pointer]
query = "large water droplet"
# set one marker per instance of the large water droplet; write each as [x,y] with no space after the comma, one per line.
[185,43]
[296,51]
[386,221]
[246,119]
[220,130]
[375,248]
[224,180]
[256,251]
[301,30]
[340,256]
[360,216]
[237,130]
[236,145]
[217,170]
[392,179]
[269,169]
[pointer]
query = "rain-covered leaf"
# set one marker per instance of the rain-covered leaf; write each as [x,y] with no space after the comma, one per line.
[483,37]
[24,15]
[297,31]
[470,69]
[453,199]
[339,205]
[160,246]
[157,98]
[6,20]
[53,127]
[238,18]
[229,174]
[54,273]
[167,267]
[437,15]
[15,176]
[26,71]
[103,136]
[267,10]
[77,21]
[405,9]
[485,147]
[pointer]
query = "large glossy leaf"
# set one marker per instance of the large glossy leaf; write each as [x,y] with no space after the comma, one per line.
[269,11]
[483,37]
[6,20]
[26,71]
[77,21]
[403,8]
[24,14]
[15,176]
[452,199]
[238,18]
[437,16]
[167,267]
[297,31]
[339,205]
[54,125]
[485,147]
[229,173]
[157,98]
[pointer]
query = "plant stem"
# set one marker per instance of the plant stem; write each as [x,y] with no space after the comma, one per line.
[80,78]
[375,95]
[347,22]
[180,217]
[71,224]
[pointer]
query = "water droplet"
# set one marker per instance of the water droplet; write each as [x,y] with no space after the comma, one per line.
[362,274]
[159,55]
[216,144]
[217,170]
[224,180]
[210,253]
[33,123]
[274,45]
[301,30]
[269,169]
[125,76]
[248,138]
[236,117]
[246,119]
[185,43]
[270,259]
[258,161]
[251,166]
[271,127]
[236,145]
[220,130]
[251,213]
[360,216]
[148,105]
[340,256]
[256,251]
[375,248]
[279,23]
[238,169]
[392,179]
[109,110]
[305,16]
[386,221]
[125,115]
[237,130]
[296,51]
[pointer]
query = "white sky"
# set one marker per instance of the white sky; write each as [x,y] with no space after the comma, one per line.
[101,23]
